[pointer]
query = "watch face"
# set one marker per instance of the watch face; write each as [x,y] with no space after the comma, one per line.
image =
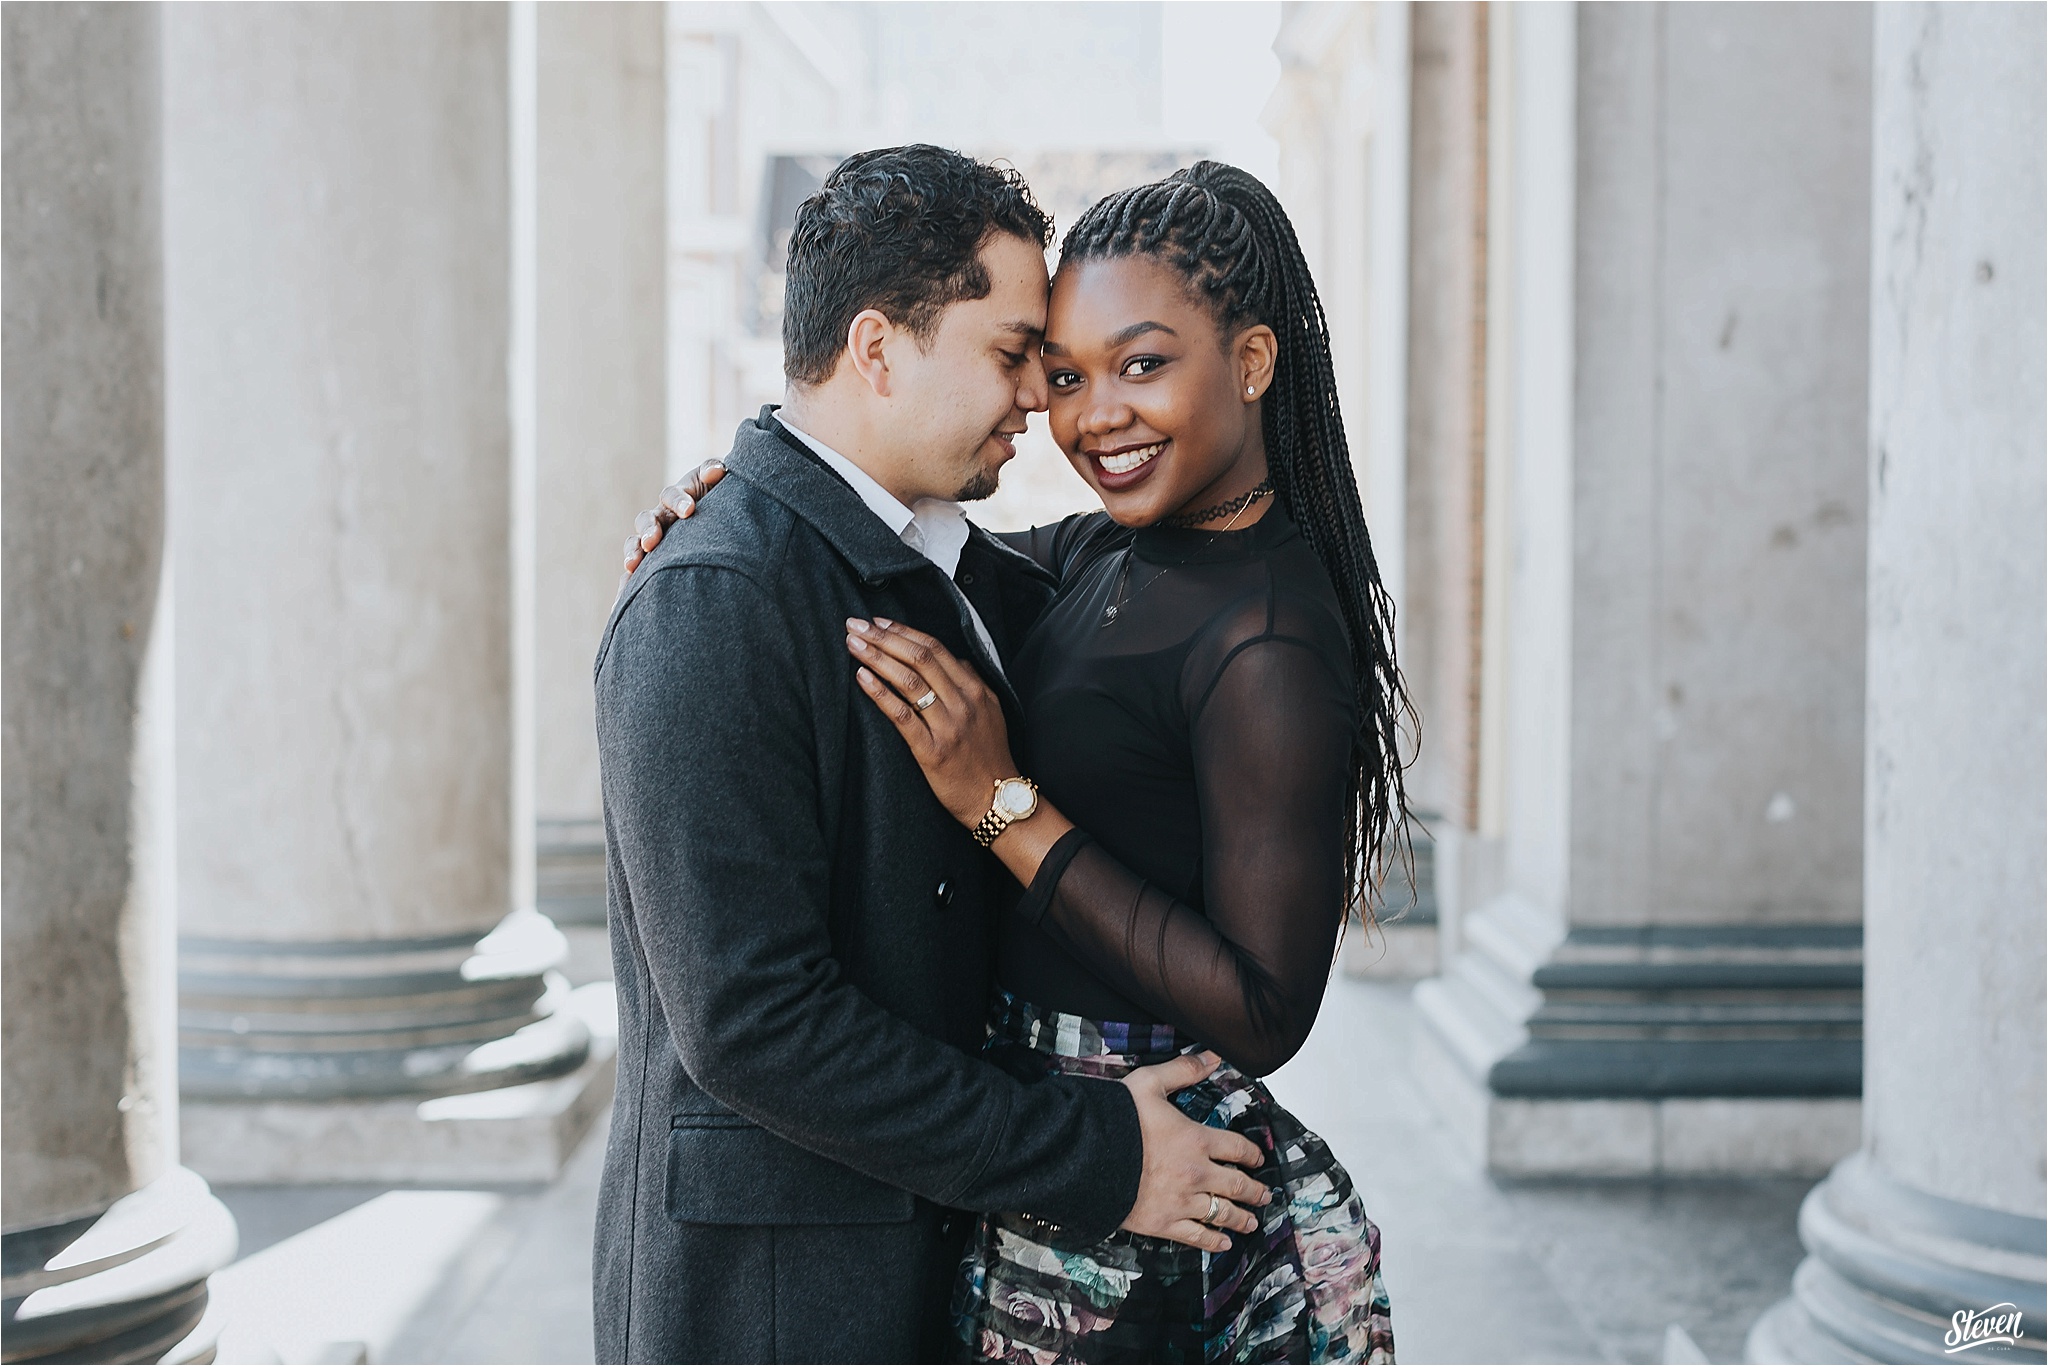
[1016,798]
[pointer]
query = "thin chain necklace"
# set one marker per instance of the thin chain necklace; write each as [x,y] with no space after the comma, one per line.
[1236,507]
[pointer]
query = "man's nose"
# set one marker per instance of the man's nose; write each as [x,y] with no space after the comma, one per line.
[1033,393]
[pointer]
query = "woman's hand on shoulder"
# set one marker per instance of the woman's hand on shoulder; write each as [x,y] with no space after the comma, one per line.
[677,501]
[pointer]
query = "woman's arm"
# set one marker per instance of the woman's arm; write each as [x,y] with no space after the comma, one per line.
[1272,741]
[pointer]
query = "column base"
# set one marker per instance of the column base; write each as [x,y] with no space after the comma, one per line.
[1401,951]
[1895,1274]
[354,1019]
[569,877]
[1702,1051]
[125,1285]
[512,1134]
[1679,1137]
[1403,943]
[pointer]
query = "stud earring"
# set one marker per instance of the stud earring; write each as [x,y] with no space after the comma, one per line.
[1249,389]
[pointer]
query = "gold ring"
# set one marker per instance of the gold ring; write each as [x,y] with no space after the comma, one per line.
[925,701]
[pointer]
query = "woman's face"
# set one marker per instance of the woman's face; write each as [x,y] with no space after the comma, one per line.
[1148,399]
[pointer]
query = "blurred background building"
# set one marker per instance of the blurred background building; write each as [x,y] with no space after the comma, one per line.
[1693,363]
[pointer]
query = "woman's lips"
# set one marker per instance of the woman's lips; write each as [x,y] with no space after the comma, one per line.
[1119,470]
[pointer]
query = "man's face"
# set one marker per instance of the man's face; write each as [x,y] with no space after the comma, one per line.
[960,400]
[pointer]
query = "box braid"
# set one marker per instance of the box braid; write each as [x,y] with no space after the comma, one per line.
[1224,231]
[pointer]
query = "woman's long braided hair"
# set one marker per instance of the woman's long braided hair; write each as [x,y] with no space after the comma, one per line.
[1223,230]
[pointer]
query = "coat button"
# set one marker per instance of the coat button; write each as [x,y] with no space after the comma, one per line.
[942,895]
[966,576]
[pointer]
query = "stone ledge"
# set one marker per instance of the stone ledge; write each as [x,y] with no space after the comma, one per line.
[1681,1137]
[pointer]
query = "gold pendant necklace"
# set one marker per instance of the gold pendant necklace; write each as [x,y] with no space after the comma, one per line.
[1123,573]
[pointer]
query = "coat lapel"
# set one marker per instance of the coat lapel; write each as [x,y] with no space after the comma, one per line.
[767,456]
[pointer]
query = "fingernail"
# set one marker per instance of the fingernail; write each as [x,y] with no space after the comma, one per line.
[856,643]
[715,464]
[689,505]
[883,621]
[863,675]
[856,624]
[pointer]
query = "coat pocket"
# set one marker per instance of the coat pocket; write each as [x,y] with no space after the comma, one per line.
[723,1169]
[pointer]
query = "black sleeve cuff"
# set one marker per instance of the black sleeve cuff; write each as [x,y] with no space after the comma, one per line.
[1117,1160]
[1054,867]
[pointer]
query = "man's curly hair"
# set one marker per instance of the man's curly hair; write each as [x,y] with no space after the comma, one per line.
[899,230]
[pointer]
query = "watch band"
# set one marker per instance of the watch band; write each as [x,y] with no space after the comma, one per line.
[991,825]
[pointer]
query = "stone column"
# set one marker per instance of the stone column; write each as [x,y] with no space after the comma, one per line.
[1932,1237]
[109,1242]
[1665,978]
[339,280]
[1444,450]
[601,402]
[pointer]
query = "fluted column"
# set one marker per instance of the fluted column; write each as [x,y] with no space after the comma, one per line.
[1929,1243]
[600,397]
[108,1241]
[338,222]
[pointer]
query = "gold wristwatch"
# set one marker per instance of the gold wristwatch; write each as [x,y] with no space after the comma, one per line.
[1015,800]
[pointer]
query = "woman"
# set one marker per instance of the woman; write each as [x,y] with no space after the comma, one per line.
[1212,703]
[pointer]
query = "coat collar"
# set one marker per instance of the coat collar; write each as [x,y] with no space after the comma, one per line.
[767,456]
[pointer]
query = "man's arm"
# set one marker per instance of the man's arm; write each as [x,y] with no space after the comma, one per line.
[712,786]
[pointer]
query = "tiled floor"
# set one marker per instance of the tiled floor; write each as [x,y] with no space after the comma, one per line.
[1479,1271]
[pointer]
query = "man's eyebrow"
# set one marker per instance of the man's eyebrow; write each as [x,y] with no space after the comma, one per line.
[1028,331]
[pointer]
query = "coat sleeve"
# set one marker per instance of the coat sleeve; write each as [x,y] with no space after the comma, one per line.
[711,783]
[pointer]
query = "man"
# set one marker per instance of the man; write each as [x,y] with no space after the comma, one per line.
[802,936]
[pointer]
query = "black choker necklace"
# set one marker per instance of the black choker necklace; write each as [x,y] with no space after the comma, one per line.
[1229,509]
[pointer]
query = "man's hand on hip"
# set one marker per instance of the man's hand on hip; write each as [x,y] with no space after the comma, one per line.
[1190,1191]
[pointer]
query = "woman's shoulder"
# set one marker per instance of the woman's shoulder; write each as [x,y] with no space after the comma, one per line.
[1286,604]
[1084,537]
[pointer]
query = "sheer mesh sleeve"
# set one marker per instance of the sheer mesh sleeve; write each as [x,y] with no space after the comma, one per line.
[1057,545]
[1271,722]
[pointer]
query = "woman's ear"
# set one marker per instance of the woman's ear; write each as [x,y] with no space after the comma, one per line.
[867,348]
[1258,350]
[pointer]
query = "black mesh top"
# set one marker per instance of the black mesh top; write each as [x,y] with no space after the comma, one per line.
[1189,707]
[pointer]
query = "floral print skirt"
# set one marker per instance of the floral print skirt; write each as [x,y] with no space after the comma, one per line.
[1305,1287]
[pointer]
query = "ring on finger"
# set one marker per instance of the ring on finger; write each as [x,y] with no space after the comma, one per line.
[1215,1208]
[925,701]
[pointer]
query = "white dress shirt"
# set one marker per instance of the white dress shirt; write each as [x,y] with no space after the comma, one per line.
[935,527]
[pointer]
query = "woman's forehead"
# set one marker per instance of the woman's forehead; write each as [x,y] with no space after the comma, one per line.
[1098,299]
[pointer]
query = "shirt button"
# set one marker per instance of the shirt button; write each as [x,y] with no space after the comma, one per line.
[942,895]
[967,576]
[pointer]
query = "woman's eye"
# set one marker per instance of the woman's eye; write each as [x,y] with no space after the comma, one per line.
[1142,365]
[1063,379]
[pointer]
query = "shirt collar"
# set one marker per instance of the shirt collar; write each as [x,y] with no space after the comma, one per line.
[936,527]
[879,500]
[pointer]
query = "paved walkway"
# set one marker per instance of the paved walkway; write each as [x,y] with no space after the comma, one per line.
[1479,1270]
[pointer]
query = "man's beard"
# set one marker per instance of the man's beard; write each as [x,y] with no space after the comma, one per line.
[982,485]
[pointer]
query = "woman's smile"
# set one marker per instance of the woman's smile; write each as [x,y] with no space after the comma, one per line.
[1123,467]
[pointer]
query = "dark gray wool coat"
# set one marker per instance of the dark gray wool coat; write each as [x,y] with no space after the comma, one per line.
[803,940]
